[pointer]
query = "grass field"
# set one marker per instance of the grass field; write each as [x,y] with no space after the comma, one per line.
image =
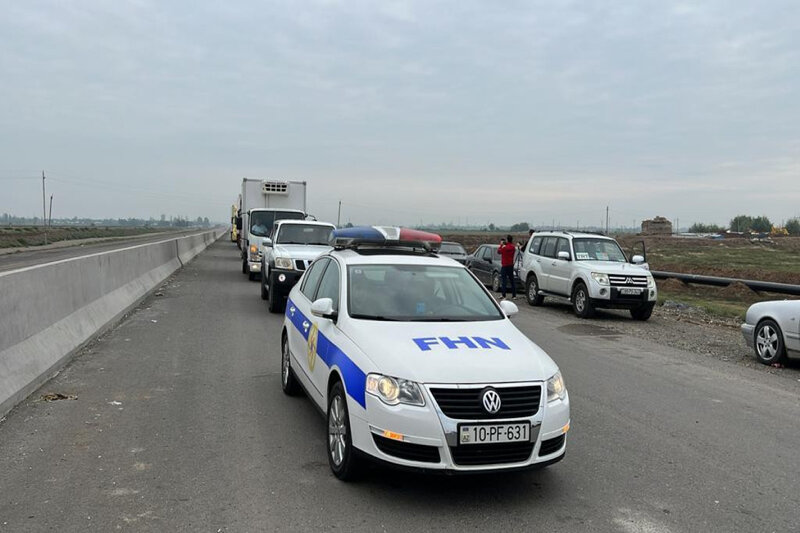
[735,258]
[22,236]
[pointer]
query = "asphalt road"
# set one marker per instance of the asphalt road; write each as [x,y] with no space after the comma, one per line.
[180,425]
[65,250]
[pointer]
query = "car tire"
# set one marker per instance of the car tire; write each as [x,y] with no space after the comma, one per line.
[768,342]
[496,281]
[532,291]
[274,302]
[289,382]
[581,302]
[342,458]
[642,312]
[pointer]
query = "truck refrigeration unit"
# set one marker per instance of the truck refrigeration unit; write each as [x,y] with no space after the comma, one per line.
[262,203]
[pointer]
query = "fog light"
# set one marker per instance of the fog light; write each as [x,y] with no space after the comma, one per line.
[281,278]
[652,293]
[602,292]
[392,435]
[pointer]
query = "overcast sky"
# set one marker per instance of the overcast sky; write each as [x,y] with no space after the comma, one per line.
[406,111]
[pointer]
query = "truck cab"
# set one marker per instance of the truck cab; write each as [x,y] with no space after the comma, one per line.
[260,224]
[261,203]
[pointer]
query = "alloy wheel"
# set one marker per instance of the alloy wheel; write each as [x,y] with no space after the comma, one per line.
[337,431]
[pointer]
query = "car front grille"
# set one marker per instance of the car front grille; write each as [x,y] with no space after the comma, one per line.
[552,445]
[465,403]
[627,281]
[407,450]
[491,454]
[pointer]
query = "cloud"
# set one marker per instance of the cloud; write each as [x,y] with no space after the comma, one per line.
[442,110]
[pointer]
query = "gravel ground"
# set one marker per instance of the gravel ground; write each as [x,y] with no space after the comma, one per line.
[687,328]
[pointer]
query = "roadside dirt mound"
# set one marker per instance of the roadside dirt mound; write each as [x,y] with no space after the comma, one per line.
[670,285]
[737,289]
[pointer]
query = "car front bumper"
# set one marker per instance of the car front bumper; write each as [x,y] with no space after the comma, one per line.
[748,331]
[430,438]
[611,297]
[283,280]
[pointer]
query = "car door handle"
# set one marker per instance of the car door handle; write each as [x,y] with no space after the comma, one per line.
[553,263]
[306,325]
[538,260]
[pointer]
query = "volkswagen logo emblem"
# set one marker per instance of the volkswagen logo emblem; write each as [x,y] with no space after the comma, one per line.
[491,401]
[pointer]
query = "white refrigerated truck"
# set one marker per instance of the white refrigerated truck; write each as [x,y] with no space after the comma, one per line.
[262,203]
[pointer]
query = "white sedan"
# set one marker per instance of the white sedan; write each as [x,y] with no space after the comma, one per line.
[772,329]
[415,364]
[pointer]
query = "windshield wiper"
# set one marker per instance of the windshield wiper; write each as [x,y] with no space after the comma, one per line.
[374,317]
[440,319]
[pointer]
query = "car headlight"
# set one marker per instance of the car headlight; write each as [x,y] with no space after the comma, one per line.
[253,252]
[555,388]
[600,278]
[651,283]
[393,391]
[283,262]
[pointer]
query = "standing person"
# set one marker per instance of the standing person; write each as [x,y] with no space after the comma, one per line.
[507,251]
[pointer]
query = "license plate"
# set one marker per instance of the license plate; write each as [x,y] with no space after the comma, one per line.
[494,433]
[630,291]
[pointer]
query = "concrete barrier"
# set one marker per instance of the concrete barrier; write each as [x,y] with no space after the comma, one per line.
[49,311]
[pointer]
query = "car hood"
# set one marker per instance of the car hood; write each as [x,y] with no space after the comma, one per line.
[424,351]
[608,267]
[300,251]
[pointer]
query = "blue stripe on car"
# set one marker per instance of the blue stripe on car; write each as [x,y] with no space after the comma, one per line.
[355,380]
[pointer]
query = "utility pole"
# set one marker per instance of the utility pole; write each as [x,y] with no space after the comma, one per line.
[44,209]
[606,220]
[339,216]
[50,216]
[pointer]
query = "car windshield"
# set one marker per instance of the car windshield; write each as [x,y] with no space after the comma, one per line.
[452,248]
[303,234]
[417,293]
[598,250]
[261,221]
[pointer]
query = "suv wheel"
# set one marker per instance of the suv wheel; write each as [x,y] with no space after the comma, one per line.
[643,312]
[769,342]
[264,293]
[532,291]
[496,282]
[581,303]
[274,301]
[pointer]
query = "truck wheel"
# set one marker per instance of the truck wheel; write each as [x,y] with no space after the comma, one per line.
[264,293]
[274,302]
[643,312]
[532,291]
[245,270]
[769,343]
[251,276]
[581,303]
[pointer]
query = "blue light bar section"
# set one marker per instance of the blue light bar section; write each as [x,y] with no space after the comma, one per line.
[366,233]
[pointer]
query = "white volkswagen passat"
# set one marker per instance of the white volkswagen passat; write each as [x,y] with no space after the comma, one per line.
[415,364]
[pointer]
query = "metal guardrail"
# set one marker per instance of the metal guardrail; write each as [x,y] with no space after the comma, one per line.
[759,286]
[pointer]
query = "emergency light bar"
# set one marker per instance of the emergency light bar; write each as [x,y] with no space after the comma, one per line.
[385,236]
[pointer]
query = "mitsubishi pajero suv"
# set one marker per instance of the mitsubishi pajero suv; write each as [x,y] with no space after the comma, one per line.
[590,270]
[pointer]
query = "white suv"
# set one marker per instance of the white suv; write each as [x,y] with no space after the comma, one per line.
[590,270]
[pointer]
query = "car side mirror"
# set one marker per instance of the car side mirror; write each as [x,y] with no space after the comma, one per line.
[323,308]
[509,308]
[267,242]
[564,256]
[637,259]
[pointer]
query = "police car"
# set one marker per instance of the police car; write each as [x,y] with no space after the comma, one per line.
[415,364]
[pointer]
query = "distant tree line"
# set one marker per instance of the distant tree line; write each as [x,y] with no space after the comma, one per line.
[7,219]
[746,224]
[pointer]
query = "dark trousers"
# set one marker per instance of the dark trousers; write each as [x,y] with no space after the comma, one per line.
[507,273]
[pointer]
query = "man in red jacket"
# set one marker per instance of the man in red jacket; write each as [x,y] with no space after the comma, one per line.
[507,251]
